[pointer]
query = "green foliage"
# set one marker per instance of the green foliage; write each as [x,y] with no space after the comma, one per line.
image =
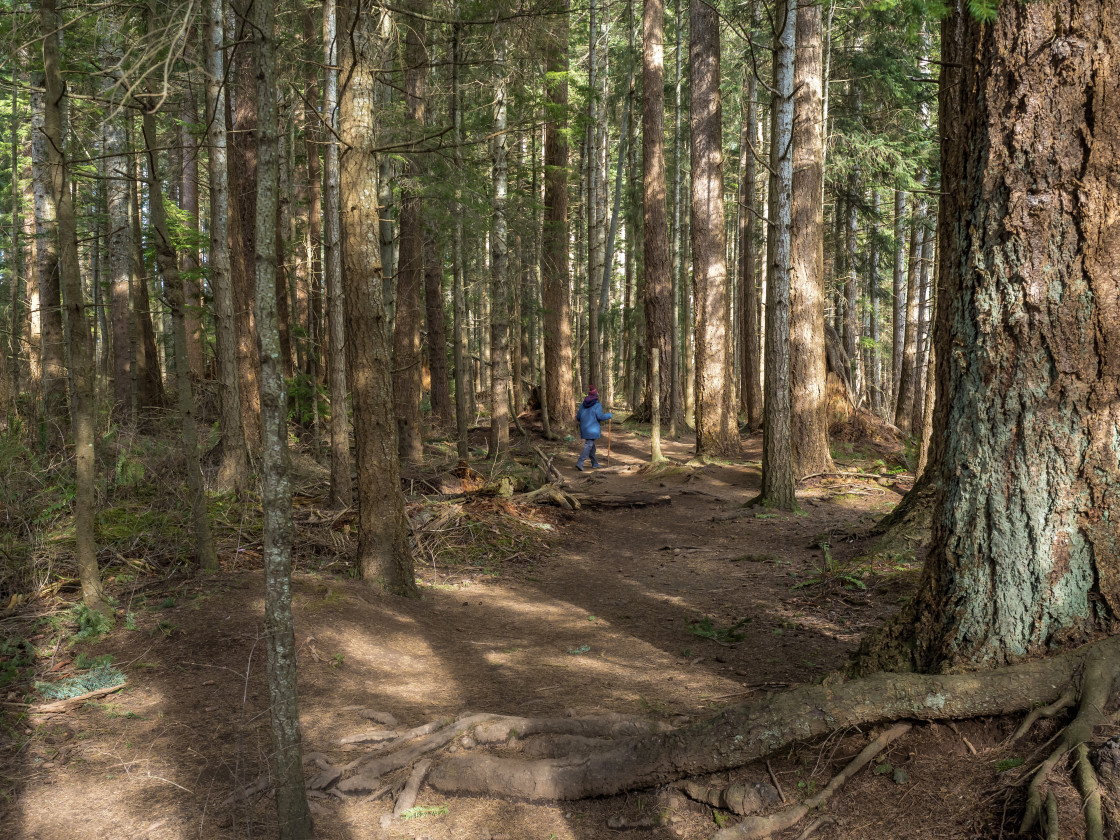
[831,571]
[102,677]
[705,629]
[421,811]
[1005,764]
[92,625]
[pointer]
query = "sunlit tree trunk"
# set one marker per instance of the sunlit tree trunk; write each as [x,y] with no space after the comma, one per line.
[1025,546]
[51,333]
[384,554]
[808,369]
[554,247]
[656,258]
[676,283]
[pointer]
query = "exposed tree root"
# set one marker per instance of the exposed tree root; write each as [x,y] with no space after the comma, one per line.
[610,754]
[1108,774]
[738,799]
[756,828]
[1064,702]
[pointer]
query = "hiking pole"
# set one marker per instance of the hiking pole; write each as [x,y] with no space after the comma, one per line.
[609,441]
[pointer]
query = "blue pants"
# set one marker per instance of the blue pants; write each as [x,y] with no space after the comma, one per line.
[588,452]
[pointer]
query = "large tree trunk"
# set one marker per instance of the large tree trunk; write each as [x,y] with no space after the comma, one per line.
[717,432]
[808,369]
[407,359]
[83,410]
[233,471]
[778,479]
[384,554]
[554,245]
[1025,545]
[655,227]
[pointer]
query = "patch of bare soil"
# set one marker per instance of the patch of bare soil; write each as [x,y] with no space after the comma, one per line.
[667,612]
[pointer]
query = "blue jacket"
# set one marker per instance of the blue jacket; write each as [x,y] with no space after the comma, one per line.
[590,415]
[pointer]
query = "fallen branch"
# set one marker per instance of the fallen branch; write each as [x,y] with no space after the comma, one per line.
[755,828]
[71,702]
[408,796]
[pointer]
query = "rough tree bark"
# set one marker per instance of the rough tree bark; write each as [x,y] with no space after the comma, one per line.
[554,244]
[499,262]
[292,812]
[233,471]
[655,220]
[83,410]
[407,359]
[750,392]
[384,554]
[808,369]
[717,429]
[777,451]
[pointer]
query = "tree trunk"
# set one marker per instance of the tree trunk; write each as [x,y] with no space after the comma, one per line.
[459,292]
[83,410]
[717,432]
[149,378]
[51,333]
[750,363]
[922,335]
[898,296]
[904,399]
[437,328]
[16,281]
[407,359]
[593,375]
[655,222]
[120,248]
[778,478]
[383,550]
[242,168]
[554,246]
[499,263]
[188,202]
[808,368]
[176,299]
[677,285]
[276,489]
[851,283]
[342,494]
[233,471]
[1025,545]
[875,370]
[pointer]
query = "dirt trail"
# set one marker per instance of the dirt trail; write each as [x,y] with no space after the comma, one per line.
[666,612]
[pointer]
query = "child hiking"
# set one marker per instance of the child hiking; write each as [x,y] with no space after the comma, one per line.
[589,415]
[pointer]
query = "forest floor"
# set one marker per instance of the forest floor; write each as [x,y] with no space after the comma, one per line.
[669,612]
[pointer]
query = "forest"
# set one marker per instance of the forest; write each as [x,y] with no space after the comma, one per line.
[306,307]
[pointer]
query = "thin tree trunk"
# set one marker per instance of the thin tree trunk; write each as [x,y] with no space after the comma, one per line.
[898,289]
[188,201]
[750,365]
[276,489]
[51,333]
[342,494]
[676,394]
[904,401]
[921,334]
[851,282]
[778,478]
[407,358]
[875,371]
[83,409]
[149,378]
[554,247]
[717,432]
[593,375]
[315,137]
[459,293]
[499,263]
[808,368]
[656,257]
[173,282]
[233,471]
[383,553]
[16,280]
